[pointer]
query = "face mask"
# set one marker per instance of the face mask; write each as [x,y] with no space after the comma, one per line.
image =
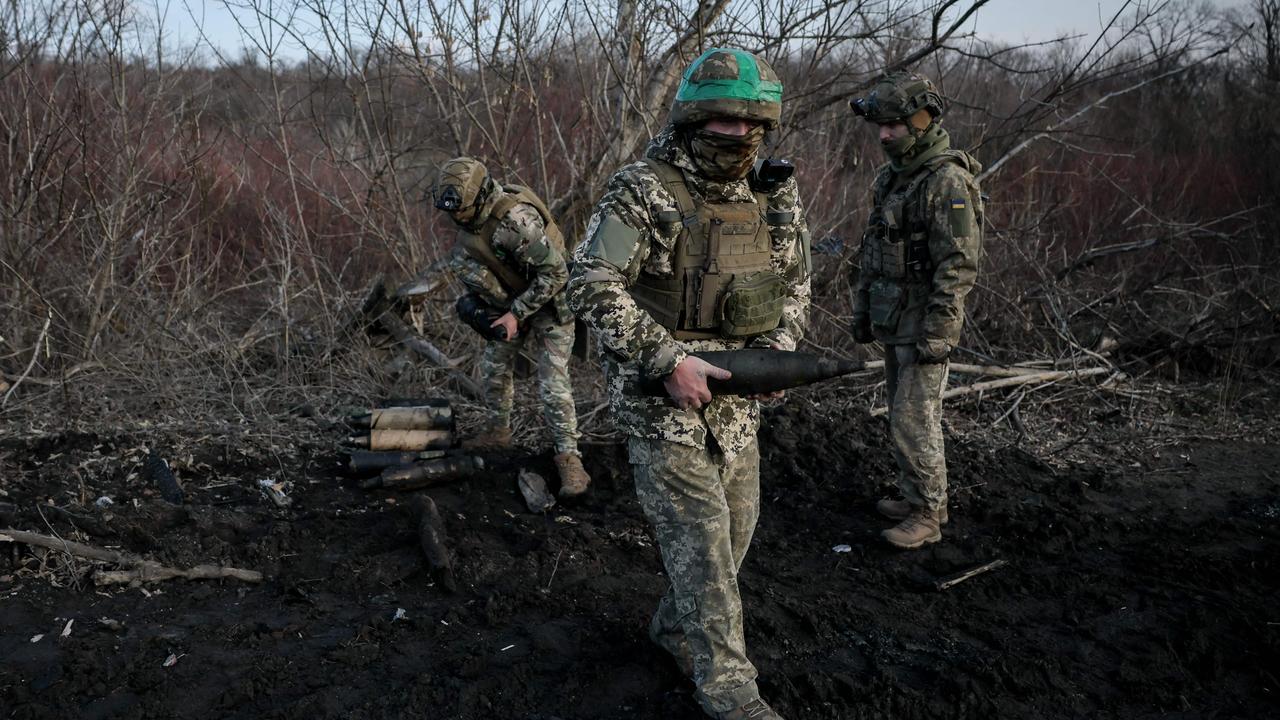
[898,148]
[725,157]
[907,154]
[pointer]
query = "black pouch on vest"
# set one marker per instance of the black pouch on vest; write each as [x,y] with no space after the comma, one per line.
[886,304]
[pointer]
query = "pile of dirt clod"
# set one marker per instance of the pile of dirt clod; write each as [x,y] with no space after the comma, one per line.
[1135,587]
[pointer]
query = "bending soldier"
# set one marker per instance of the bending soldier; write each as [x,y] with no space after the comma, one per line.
[920,255]
[510,256]
[685,254]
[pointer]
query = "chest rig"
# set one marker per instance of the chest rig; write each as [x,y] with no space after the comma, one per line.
[896,243]
[721,284]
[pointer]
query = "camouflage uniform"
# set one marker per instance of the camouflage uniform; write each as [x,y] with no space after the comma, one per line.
[696,471]
[920,259]
[544,316]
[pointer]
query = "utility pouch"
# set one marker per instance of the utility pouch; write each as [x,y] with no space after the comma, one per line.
[886,300]
[752,304]
[918,260]
[710,285]
[893,260]
[871,255]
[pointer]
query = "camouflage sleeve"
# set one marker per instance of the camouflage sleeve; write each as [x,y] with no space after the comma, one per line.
[791,261]
[478,279]
[620,240]
[521,236]
[955,244]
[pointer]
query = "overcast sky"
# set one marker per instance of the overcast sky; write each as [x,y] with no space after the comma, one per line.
[1007,20]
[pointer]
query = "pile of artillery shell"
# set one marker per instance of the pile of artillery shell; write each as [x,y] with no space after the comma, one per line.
[412,428]
[405,446]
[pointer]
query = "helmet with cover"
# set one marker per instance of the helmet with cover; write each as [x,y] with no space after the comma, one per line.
[728,83]
[897,97]
[462,184]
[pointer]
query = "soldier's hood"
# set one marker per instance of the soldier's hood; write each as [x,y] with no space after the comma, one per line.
[668,146]
[965,160]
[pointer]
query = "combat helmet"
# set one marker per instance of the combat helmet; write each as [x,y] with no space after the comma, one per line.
[462,184]
[896,97]
[727,82]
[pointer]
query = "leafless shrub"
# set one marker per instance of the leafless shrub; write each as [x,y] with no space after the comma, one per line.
[197,225]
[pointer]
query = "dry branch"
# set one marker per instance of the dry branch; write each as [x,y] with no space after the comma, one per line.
[423,347]
[35,354]
[1014,381]
[960,577]
[135,568]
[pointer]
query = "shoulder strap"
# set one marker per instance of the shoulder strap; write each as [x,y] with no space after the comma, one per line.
[549,226]
[672,178]
[479,245]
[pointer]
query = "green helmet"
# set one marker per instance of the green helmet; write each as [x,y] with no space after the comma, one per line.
[727,82]
[462,183]
[897,96]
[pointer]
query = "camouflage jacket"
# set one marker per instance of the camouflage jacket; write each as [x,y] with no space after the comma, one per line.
[632,342]
[936,246]
[520,242]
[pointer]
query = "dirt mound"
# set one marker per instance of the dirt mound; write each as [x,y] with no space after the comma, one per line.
[1142,590]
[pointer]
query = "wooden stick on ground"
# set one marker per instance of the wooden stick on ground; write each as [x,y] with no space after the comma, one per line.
[1015,381]
[407,337]
[135,568]
[958,578]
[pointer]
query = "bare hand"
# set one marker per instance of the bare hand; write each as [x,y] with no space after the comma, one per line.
[687,385]
[509,323]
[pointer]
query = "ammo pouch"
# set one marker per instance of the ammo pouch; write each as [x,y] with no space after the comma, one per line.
[885,307]
[752,304]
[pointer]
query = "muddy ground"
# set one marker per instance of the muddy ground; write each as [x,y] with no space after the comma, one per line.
[1141,582]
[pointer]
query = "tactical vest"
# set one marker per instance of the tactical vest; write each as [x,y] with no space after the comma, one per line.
[479,245]
[896,242]
[721,284]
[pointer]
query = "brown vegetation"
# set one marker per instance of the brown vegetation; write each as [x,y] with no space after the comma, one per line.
[191,231]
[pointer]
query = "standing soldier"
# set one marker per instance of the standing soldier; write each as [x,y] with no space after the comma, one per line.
[510,255]
[685,253]
[919,260]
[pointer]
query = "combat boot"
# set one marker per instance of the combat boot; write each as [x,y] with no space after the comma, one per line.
[919,528]
[757,709]
[574,479]
[493,437]
[900,509]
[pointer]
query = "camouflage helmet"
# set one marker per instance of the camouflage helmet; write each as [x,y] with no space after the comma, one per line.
[460,185]
[727,82]
[896,97]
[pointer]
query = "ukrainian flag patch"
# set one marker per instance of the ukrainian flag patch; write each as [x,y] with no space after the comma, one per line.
[957,204]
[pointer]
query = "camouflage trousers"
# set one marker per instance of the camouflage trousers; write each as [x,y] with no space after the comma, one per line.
[703,510]
[915,425]
[554,344]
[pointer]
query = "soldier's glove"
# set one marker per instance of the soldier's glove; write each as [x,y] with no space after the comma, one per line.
[862,329]
[931,351]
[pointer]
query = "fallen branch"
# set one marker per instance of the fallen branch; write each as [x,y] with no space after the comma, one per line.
[135,568]
[958,578]
[148,571]
[1014,381]
[1000,371]
[407,337]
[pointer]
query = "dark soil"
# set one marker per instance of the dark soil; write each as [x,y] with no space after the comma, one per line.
[1138,585]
